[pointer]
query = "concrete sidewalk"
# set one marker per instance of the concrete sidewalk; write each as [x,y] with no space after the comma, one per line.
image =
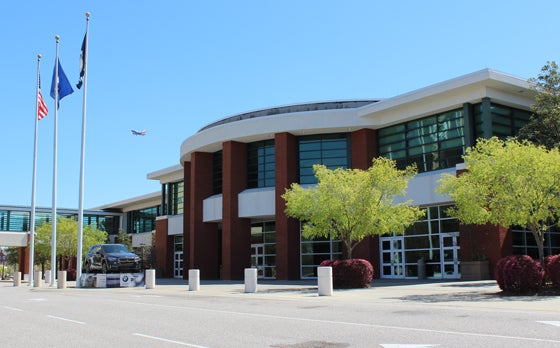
[473,294]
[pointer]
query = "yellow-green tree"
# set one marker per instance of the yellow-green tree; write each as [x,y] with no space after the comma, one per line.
[507,183]
[351,204]
[66,239]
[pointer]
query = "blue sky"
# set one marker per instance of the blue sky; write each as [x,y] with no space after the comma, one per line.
[173,66]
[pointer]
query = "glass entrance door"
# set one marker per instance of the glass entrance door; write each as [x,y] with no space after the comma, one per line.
[449,249]
[178,264]
[257,258]
[392,257]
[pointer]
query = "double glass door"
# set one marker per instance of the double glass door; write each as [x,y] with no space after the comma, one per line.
[257,258]
[392,257]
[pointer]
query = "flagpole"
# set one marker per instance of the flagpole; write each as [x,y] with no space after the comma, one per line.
[82,160]
[53,241]
[34,180]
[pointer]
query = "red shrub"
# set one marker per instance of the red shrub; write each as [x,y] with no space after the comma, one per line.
[519,274]
[347,274]
[553,269]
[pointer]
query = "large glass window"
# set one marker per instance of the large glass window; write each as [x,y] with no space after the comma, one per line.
[143,220]
[525,244]
[261,164]
[433,142]
[506,121]
[263,246]
[175,198]
[316,250]
[331,150]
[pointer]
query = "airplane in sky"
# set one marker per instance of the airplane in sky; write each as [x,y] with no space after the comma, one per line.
[135,132]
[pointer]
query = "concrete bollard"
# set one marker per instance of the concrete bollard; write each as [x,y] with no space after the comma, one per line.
[61,284]
[17,278]
[37,279]
[150,279]
[325,282]
[48,277]
[194,279]
[250,280]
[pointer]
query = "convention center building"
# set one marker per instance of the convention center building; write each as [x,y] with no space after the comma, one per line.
[220,208]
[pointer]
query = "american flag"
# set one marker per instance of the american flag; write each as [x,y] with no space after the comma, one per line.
[42,110]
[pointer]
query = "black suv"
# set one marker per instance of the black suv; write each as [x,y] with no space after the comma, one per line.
[112,258]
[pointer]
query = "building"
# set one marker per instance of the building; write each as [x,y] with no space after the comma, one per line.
[222,209]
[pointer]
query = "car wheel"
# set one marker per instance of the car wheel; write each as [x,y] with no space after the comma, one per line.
[104,267]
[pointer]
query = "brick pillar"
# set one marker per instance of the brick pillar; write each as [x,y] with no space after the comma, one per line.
[186,218]
[236,231]
[204,238]
[287,229]
[364,149]
[485,241]
[161,250]
[23,260]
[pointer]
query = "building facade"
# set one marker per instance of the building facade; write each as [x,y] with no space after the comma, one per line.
[222,205]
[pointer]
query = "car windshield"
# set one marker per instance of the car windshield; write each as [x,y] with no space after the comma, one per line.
[115,248]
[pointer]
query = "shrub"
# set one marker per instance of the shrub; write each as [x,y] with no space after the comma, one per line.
[553,269]
[519,274]
[347,274]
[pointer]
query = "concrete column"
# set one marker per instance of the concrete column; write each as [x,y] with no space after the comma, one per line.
[48,277]
[250,280]
[325,282]
[150,278]
[61,284]
[17,278]
[37,279]
[194,279]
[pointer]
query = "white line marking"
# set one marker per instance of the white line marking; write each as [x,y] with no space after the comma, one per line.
[14,309]
[70,320]
[408,345]
[390,327]
[555,323]
[169,341]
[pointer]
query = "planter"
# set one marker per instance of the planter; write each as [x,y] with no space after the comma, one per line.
[475,270]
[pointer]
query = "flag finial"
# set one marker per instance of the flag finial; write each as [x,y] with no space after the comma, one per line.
[57,38]
[87,14]
[39,56]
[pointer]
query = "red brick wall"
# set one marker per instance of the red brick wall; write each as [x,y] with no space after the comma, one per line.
[204,238]
[236,231]
[162,253]
[287,229]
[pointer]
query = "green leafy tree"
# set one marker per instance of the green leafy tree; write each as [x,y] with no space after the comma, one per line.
[544,126]
[350,204]
[507,183]
[124,238]
[66,239]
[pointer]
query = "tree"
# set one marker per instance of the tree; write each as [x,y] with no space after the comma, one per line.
[350,204]
[544,126]
[507,183]
[66,239]
[124,238]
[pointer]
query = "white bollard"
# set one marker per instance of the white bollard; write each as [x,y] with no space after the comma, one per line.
[325,282]
[48,277]
[194,279]
[17,278]
[250,280]
[150,279]
[61,284]
[37,279]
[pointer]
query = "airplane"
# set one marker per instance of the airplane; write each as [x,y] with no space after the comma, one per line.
[135,132]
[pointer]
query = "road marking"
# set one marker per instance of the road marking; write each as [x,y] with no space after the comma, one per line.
[169,341]
[14,309]
[37,299]
[70,320]
[334,322]
[408,345]
[555,323]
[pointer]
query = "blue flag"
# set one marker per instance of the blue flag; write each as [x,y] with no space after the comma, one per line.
[64,87]
[83,54]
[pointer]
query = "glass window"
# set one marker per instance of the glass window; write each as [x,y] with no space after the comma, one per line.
[432,143]
[331,150]
[261,164]
[143,220]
